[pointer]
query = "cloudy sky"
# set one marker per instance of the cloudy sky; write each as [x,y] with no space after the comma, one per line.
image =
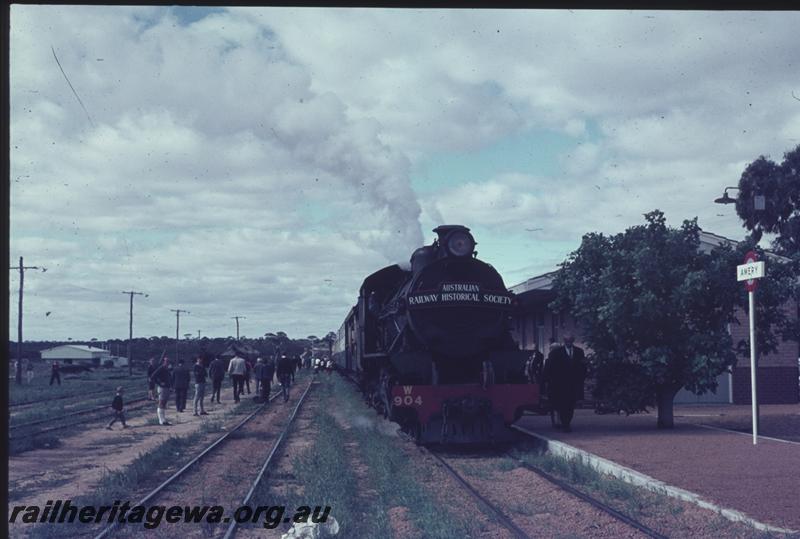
[261,162]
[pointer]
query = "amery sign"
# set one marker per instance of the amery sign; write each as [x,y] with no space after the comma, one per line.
[459,294]
[750,271]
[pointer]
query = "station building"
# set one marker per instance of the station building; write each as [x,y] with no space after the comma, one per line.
[241,349]
[535,325]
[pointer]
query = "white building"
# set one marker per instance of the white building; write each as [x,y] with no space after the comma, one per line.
[78,354]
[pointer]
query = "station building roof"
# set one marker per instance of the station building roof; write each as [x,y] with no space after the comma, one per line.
[537,287]
[78,348]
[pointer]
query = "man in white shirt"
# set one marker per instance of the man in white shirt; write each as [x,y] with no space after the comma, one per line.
[237,369]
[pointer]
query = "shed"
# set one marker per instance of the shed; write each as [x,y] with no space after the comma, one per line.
[77,354]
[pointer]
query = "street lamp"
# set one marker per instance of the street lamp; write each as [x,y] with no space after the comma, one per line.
[759,201]
[725,199]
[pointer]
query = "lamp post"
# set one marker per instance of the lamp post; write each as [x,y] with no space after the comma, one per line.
[725,199]
[759,201]
[750,271]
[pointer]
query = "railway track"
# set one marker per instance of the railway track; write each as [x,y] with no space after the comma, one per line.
[507,522]
[590,500]
[193,466]
[65,397]
[501,517]
[140,403]
[85,411]
[231,531]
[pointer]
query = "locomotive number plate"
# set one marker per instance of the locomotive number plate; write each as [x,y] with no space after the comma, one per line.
[408,398]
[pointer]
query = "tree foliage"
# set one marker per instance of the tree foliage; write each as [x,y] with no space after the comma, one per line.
[654,310]
[780,186]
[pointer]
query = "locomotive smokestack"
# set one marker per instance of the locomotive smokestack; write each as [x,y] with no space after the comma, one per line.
[456,240]
[444,230]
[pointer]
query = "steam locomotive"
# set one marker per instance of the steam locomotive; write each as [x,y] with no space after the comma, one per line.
[431,347]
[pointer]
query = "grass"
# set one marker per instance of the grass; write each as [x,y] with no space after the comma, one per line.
[48,409]
[327,480]
[506,465]
[209,426]
[44,441]
[389,477]
[72,385]
[144,472]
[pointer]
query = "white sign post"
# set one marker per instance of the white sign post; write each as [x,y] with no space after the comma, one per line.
[749,272]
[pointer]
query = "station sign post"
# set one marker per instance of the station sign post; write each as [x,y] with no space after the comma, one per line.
[750,272]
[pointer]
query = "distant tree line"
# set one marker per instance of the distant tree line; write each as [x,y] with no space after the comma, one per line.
[146,347]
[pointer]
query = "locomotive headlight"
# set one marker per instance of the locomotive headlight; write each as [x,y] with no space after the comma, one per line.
[460,243]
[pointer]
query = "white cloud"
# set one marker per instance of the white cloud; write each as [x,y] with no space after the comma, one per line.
[236,162]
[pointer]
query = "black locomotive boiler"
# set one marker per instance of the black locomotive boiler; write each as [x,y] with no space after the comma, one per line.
[431,346]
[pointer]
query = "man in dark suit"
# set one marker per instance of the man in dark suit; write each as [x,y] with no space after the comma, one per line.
[216,371]
[180,382]
[564,372]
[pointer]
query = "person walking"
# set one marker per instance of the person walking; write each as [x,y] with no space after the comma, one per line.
[284,369]
[236,369]
[293,364]
[180,382]
[119,410]
[29,372]
[151,386]
[564,373]
[216,371]
[199,386]
[264,373]
[54,372]
[162,379]
[248,373]
[533,366]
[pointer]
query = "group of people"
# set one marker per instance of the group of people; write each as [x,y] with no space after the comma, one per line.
[27,367]
[323,363]
[560,376]
[164,378]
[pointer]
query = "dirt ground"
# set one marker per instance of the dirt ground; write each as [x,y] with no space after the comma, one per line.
[85,455]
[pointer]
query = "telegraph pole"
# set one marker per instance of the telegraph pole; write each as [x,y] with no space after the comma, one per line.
[21,269]
[237,325]
[198,334]
[130,328]
[177,328]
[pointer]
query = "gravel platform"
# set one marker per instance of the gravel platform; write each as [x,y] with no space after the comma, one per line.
[722,467]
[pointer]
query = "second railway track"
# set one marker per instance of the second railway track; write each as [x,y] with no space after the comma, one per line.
[527,528]
[135,404]
[219,475]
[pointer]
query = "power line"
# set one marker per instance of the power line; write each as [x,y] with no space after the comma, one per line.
[177,328]
[130,328]
[21,269]
[237,324]
[71,87]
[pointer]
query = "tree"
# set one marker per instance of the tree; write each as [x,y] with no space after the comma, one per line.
[780,186]
[654,311]
[329,339]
